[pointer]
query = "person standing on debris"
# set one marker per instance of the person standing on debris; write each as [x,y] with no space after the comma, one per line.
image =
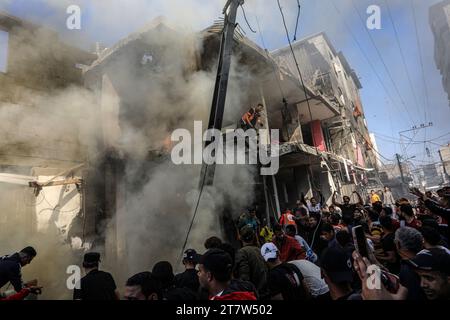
[96,284]
[11,267]
[251,117]
[374,197]
[388,199]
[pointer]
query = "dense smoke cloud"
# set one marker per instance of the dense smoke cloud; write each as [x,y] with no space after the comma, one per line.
[158,197]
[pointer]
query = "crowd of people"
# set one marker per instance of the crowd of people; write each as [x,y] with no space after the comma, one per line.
[308,253]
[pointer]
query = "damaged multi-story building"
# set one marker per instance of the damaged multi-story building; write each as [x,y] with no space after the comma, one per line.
[439,16]
[157,80]
[334,151]
[41,133]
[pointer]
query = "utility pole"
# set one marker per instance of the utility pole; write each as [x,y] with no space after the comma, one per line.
[220,89]
[414,129]
[400,168]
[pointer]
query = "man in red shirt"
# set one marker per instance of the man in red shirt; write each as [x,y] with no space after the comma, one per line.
[407,214]
[289,248]
[215,269]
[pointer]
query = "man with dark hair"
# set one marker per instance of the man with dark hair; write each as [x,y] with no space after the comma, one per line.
[96,284]
[285,280]
[292,232]
[432,237]
[163,272]
[289,248]
[189,278]
[337,271]
[433,267]
[312,204]
[409,242]
[388,255]
[212,243]
[346,207]
[328,234]
[251,118]
[249,218]
[407,215]
[250,265]
[142,286]
[215,269]
[374,197]
[11,268]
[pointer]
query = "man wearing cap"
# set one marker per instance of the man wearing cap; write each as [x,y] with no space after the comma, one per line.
[11,268]
[285,280]
[338,273]
[96,284]
[189,278]
[250,265]
[215,268]
[433,267]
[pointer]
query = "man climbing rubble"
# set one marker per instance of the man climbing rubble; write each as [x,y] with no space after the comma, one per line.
[251,118]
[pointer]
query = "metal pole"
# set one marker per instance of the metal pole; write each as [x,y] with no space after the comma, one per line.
[223,72]
[275,193]
[267,202]
[400,167]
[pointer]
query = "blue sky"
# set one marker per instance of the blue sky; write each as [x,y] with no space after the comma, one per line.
[109,21]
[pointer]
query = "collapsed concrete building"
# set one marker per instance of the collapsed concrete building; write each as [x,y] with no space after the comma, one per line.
[139,91]
[39,140]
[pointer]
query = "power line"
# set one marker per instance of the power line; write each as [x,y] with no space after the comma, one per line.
[421,65]
[245,17]
[419,47]
[383,62]
[296,63]
[298,18]
[397,38]
[358,44]
[394,140]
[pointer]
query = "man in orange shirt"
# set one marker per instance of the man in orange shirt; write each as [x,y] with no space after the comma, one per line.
[251,117]
[287,218]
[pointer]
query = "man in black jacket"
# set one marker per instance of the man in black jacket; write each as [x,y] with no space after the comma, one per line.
[96,284]
[11,267]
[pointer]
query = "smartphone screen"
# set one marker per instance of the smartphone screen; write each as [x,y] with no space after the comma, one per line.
[360,241]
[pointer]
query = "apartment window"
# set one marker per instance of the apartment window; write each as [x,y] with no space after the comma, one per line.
[4,39]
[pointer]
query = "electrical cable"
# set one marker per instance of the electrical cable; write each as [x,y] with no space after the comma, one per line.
[245,17]
[297,20]
[383,62]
